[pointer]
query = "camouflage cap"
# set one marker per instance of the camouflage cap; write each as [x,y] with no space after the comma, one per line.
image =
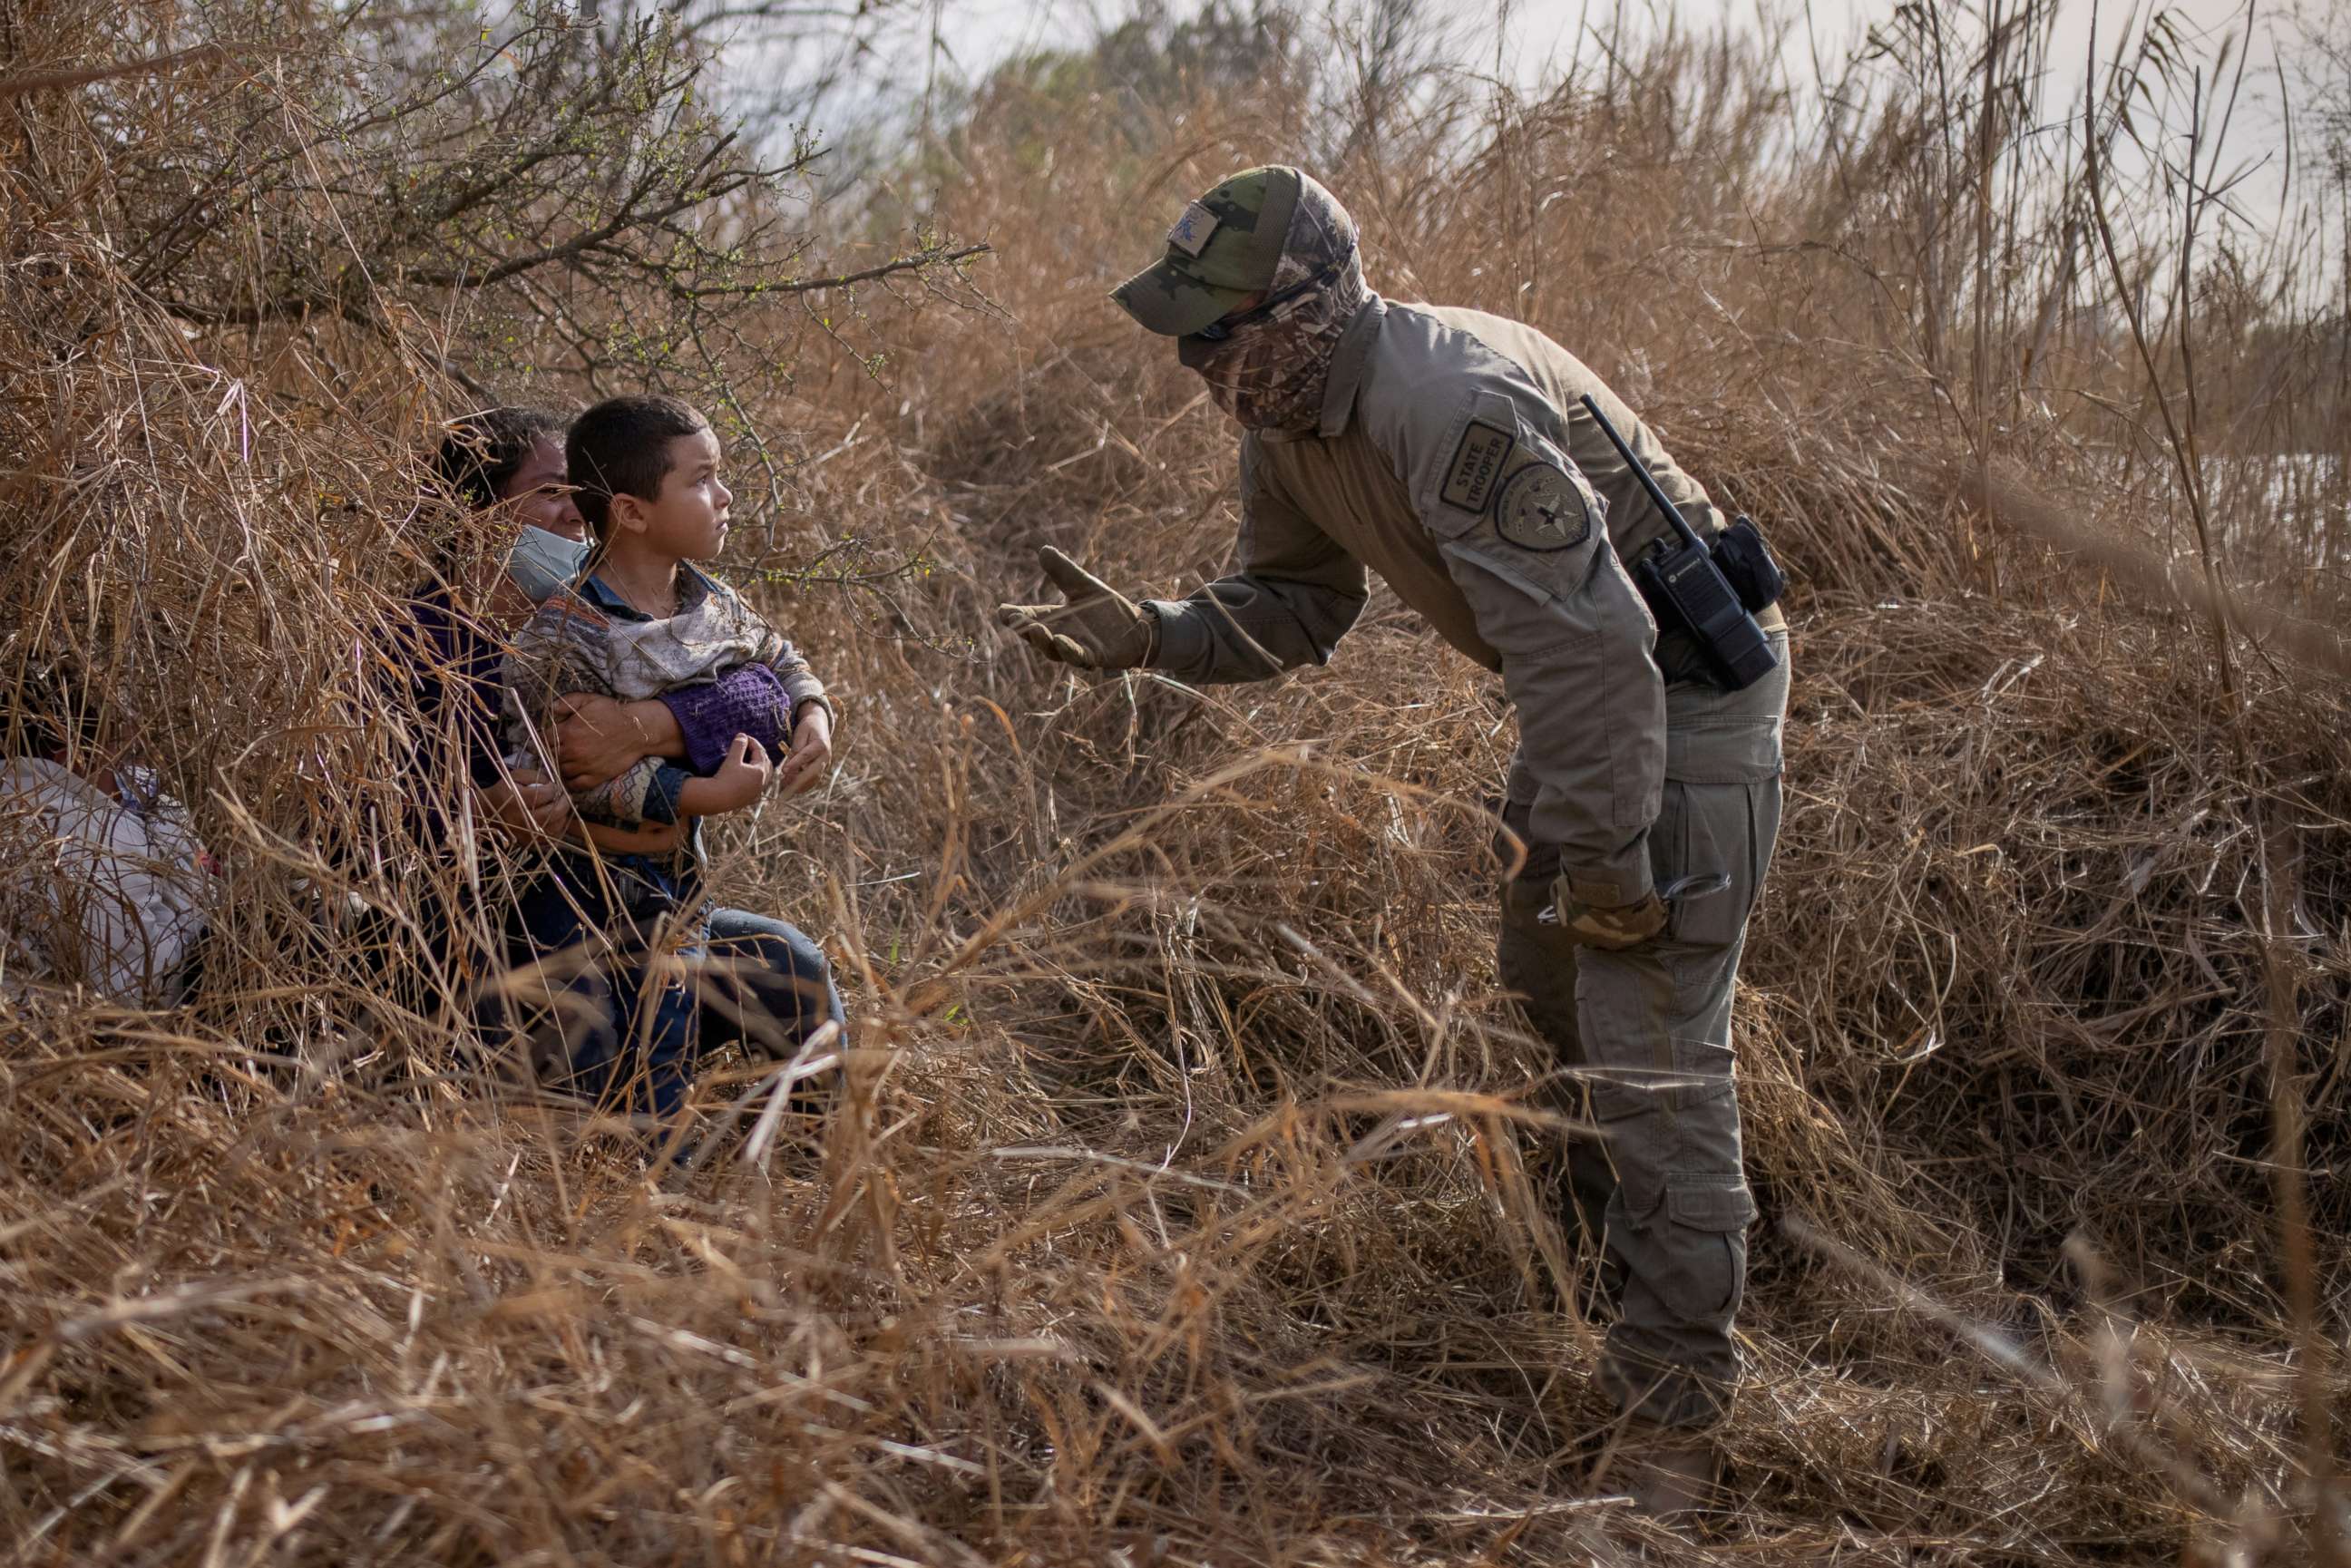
[1225,248]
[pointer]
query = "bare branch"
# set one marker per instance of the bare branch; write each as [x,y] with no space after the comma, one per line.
[40,81]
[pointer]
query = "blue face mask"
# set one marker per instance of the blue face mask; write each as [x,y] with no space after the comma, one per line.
[541,562]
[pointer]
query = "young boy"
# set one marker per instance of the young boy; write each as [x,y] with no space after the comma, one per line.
[644,622]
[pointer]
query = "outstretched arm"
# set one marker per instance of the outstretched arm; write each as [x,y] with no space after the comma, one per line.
[1295,596]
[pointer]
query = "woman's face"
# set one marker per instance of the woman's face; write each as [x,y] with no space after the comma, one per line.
[538,496]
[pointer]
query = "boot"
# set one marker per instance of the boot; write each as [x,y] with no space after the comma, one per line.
[1670,1475]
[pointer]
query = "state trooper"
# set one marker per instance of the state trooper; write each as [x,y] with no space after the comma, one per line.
[1448,451]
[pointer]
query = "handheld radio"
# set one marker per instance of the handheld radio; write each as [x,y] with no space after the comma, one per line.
[1685,585]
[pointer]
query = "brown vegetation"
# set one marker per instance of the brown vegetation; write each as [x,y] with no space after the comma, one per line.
[1185,1201]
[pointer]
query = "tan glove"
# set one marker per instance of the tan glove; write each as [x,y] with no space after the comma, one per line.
[1098,629]
[1614,926]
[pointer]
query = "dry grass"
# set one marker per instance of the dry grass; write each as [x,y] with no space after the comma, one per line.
[1184,1203]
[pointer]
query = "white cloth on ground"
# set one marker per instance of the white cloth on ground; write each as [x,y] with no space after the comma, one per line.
[109,890]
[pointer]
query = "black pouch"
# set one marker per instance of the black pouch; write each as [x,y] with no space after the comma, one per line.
[1746,563]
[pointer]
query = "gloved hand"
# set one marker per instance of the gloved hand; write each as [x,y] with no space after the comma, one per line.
[1612,926]
[1098,629]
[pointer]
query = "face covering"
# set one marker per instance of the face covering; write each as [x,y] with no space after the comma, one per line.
[541,562]
[1269,374]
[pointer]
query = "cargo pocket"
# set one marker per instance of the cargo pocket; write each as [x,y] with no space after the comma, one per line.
[1703,1071]
[1709,1217]
[1713,830]
[1729,738]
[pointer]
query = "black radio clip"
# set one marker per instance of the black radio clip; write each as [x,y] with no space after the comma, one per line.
[1712,590]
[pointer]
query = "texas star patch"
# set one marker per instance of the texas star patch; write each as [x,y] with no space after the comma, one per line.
[1541,509]
[1477,460]
[1191,232]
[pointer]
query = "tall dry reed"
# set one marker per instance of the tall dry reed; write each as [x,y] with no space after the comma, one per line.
[1186,1199]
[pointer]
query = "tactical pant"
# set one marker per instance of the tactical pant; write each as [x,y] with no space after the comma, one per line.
[1646,1037]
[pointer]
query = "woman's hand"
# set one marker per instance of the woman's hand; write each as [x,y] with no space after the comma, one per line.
[812,752]
[597,739]
[527,802]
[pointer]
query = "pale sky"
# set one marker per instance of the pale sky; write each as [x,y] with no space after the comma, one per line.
[1543,33]
[979,32]
[1541,24]
[967,37]
[1538,34]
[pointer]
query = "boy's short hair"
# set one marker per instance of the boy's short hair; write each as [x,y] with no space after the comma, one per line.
[621,447]
[484,450]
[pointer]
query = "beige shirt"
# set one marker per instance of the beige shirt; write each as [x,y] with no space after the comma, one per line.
[1455,459]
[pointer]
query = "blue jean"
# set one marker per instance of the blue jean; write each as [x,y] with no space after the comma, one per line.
[615,943]
[764,985]
[616,1032]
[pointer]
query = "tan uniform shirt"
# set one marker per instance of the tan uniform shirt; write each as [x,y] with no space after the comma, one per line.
[1454,459]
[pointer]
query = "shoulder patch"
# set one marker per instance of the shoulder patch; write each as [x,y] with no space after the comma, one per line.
[1542,509]
[1477,462]
[1192,231]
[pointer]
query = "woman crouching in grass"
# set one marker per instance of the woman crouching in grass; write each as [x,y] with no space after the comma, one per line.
[767,983]
[633,933]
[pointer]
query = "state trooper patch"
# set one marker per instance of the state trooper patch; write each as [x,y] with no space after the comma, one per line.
[1477,462]
[1192,231]
[1541,509]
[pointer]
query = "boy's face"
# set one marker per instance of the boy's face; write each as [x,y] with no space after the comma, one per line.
[688,520]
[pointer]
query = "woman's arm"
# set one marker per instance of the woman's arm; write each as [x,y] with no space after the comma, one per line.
[598,737]
[561,650]
[525,803]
